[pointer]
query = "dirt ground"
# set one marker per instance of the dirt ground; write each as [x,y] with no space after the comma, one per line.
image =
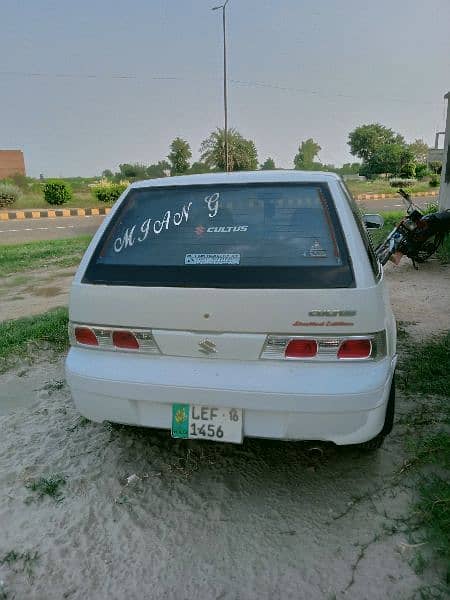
[197,520]
[34,292]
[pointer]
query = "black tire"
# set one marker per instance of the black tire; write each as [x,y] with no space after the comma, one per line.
[428,248]
[376,442]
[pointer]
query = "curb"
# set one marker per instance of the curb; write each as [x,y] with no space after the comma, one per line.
[387,196]
[11,215]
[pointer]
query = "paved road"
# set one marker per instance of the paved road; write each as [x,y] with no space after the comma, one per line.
[29,230]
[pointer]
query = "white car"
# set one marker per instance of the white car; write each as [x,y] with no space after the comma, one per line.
[227,305]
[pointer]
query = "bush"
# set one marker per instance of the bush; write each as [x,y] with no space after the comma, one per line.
[109,192]
[435,180]
[408,170]
[422,171]
[9,193]
[401,182]
[57,192]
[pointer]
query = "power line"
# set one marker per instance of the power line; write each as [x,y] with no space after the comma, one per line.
[237,82]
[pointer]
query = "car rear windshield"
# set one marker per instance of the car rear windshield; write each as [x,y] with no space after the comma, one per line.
[243,236]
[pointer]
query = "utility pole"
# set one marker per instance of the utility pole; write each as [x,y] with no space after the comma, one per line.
[225,99]
[444,194]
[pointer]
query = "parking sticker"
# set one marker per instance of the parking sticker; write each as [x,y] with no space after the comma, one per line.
[212,259]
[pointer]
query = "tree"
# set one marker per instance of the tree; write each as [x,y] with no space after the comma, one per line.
[350,168]
[199,167]
[365,140]
[179,156]
[307,152]
[107,174]
[268,165]
[160,169]
[420,151]
[242,154]
[389,158]
[132,171]
[436,166]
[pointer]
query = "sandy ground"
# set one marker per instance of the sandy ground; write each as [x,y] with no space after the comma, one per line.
[34,292]
[265,520]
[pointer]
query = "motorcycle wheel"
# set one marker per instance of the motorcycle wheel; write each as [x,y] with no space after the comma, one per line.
[428,248]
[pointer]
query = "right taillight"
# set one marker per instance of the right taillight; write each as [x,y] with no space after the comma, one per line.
[326,348]
[85,336]
[355,349]
[125,339]
[301,349]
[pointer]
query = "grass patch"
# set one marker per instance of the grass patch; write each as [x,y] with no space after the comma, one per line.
[80,199]
[50,327]
[444,251]
[34,255]
[426,367]
[426,370]
[47,486]
[381,186]
[434,513]
[20,561]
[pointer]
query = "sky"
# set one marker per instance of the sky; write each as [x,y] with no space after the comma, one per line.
[88,84]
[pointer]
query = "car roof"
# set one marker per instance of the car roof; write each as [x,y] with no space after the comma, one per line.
[278,176]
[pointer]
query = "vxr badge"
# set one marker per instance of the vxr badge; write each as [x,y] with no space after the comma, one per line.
[207,347]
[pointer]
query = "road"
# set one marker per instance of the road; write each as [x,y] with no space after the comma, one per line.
[29,230]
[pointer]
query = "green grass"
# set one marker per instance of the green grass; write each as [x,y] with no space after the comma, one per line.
[381,186]
[50,327]
[20,561]
[444,251]
[47,486]
[81,199]
[35,255]
[426,367]
[434,513]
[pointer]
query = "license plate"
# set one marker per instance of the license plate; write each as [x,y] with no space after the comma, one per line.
[207,423]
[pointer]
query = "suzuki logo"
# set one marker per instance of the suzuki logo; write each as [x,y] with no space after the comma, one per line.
[207,347]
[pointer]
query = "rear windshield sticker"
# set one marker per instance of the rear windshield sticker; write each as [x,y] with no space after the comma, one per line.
[316,250]
[168,220]
[212,259]
[227,229]
[213,204]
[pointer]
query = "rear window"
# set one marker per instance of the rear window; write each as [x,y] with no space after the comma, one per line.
[257,236]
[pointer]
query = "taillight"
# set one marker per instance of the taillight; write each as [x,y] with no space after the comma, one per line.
[301,349]
[355,348]
[125,339]
[85,336]
[372,346]
[104,337]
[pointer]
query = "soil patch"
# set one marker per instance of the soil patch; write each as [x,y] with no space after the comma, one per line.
[139,515]
[420,298]
[34,292]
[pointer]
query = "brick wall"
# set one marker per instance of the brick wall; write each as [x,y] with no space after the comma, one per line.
[11,162]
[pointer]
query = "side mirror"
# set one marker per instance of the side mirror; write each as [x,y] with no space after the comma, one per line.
[373,221]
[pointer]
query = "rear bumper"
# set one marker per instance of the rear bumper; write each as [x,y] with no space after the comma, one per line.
[342,403]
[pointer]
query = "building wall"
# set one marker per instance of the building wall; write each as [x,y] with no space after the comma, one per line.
[11,162]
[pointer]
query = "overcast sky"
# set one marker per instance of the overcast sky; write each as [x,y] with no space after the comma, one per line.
[326,65]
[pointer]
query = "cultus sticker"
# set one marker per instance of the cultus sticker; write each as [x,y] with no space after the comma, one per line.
[227,229]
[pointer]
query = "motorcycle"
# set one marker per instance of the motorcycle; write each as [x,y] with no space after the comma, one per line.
[417,236]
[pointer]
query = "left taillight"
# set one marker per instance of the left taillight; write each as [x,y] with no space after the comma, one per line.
[113,338]
[85,336]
